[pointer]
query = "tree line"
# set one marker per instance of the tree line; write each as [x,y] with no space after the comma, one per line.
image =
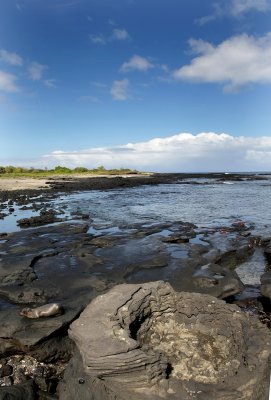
[12,170]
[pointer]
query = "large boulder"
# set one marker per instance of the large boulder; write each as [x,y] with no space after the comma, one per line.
[148,341]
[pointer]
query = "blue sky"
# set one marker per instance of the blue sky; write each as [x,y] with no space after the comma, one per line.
[161,85]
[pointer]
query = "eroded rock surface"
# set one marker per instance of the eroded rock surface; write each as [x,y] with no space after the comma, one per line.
[148,342]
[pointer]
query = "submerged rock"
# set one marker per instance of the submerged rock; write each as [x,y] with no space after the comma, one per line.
[148,341]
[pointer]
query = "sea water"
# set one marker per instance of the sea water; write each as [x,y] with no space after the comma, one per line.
[203,202]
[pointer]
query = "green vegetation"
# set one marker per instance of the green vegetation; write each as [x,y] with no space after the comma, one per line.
[17,172]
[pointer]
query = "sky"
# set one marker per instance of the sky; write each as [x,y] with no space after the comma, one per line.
[167,86]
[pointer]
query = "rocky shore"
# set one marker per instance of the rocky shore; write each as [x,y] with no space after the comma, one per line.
[53,260]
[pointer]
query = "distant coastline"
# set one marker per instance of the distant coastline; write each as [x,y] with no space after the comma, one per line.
[66,180]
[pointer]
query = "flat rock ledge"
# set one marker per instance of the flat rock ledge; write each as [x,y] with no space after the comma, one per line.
[149,342]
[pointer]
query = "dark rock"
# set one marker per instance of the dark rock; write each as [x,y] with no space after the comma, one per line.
[24,391]
[267,252]
[6,370]
[54,349]
[147,341]
[177,239]
[266,284]
[45,217]
[217,281]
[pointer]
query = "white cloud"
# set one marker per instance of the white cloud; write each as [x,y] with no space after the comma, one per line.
[97,39]
[117,34]
[235,62]
[36,71]
[8,82]
[120,34]
[234,8]
[119,90]
[136,63]
[184,152]
[10,58]
[238,7]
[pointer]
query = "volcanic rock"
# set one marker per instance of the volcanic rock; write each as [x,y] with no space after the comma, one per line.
[45,217]
[147,341]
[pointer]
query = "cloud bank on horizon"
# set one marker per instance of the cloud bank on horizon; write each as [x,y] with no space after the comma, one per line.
[183,152]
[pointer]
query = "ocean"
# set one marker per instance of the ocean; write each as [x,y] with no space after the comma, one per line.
[204,202]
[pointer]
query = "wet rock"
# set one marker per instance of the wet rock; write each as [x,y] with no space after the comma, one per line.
[177,239]
[14,269]
[217,281]
[267,252]
[266,284]
[232,258]
[147,341]
[46,217]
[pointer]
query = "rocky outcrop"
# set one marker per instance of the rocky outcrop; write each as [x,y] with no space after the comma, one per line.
[147,341]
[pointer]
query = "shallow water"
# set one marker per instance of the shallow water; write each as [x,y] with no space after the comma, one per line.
[206,205]
[214,204]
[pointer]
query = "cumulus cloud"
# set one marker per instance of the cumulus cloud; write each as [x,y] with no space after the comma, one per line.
[235,62]
[136,63]
[184,152]
[10,58]
[36,71]
[119,89]
[8,82]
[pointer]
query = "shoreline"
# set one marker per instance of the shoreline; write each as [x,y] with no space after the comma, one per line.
[96,182]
